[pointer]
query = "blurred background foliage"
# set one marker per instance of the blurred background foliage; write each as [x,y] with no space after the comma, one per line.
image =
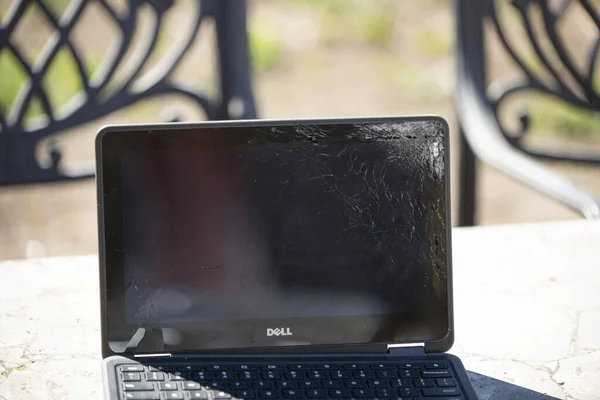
[379,24]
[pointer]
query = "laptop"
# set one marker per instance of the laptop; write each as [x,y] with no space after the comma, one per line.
[277,259]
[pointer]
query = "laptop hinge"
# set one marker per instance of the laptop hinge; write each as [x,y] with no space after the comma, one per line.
[407,350]
[155,355]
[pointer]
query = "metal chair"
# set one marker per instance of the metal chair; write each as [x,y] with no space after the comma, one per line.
[482,134]
[18,140]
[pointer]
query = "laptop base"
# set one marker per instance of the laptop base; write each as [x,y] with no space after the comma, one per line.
[440,376]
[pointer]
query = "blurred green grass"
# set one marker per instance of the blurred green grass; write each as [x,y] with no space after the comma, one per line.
[355,21]
[378,29]
[61,81]
[58,6]
[340,21]
[266,48]
[434,42]
[551,117]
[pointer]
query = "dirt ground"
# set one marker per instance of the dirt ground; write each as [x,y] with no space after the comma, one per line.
[308,70]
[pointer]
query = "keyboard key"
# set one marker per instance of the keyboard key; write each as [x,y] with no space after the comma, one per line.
[386,392]
[326,367]
[131,368]
[445,382]
[285,384]
[271,375]
[189,385]
[330,384]
[187,368]
[220,395]
[167,386]
[217,367]
[408,374]
[262,384]
[244,394]
[132,377]
[362,393]
[386,374]
[424,382]
[238,385]
[159,368]
[247,375]
[244,367]
[378,383]
[299,367]
[173,395]
[177,376]
[436,365]
[155,376]
[316,375]
[215,385]
[315,393]
[137,386]
[295,375]
[142,396]
[446,391]
[292,394]
[224,376]
[362,374]
[382,366]
[308,384]
[409,366]
[198,394]
[339,393]
[355,384]
[409,392]
[272,367]
[400,383]
[201,376]
[269,394]
[354,366]
[339,375]
[436,373]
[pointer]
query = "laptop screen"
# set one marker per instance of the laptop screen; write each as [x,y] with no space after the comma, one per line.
[278,233]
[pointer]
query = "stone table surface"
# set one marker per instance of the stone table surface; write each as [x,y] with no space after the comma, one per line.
[527,316]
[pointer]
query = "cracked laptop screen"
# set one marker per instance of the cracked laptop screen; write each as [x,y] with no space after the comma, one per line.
[302,229]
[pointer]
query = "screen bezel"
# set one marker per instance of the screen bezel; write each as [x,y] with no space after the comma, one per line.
[111,141]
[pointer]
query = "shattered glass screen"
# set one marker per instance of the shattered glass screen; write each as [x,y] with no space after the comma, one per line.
[284,230]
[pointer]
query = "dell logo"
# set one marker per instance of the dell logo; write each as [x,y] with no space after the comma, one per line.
[279,332]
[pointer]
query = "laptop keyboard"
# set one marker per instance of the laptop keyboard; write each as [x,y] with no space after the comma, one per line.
[289,380]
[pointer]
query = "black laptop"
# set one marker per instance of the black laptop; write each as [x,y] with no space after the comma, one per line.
[288,259]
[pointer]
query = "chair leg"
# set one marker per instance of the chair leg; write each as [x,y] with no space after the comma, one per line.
[237,100]
[466,186]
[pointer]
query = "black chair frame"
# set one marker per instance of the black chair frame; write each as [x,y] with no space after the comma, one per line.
[100,94]
[481,133]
